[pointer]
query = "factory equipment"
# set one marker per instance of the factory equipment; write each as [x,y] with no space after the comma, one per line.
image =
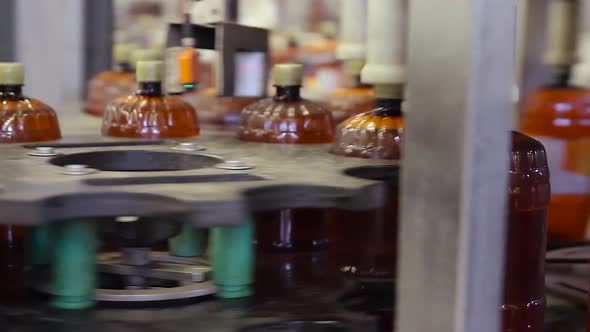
[146,228]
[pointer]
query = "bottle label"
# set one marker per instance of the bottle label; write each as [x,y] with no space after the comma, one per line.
[568,168]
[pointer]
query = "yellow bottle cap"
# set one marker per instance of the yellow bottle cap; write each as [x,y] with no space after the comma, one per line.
[149,71]
[287,74]
[144,54]
[122,52]
[12,73]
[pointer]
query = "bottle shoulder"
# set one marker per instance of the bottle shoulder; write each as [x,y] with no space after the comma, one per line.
[557,112]
[529,176]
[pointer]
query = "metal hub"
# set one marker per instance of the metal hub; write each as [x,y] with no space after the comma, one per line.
[148,276]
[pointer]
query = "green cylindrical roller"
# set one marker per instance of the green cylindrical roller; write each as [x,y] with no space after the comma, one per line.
[232,256]
[74,264]
[189,243]
[39,245]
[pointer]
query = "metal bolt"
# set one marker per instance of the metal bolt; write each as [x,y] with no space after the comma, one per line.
[234,165]
[127,219]
[77,169]
[43,151]
[188,146]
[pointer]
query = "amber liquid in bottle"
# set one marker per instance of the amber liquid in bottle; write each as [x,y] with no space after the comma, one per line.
[286,118]
[376,134]
[364,243]
[22,119]
[291,243]
[149,114]
[107,86]
[524,275]
[12,263]
[556,115]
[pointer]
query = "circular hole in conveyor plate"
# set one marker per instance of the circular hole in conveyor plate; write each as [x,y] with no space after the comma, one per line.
[137,160]
[386,173]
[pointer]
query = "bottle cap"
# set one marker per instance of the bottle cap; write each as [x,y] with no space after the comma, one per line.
[288,74]
[389,91]
[12,73]
[149,71]
[144,54]
[122,52]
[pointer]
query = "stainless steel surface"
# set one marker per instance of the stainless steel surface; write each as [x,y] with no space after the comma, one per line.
[188,146]
[191,274]
[43,151]
[158,294]
[148,179]
[136,256]
[182,272]
[454,172]
[234,165]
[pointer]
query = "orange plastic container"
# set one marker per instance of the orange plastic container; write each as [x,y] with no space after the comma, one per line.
[558,116]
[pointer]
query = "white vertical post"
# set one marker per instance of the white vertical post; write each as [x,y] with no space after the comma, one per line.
[50,42]
[455,167]
[353,30]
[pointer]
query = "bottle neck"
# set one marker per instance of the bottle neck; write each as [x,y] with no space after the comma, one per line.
[124,67]
[11,91]
[150,89]
[388,107]
[288,93]
[561,77]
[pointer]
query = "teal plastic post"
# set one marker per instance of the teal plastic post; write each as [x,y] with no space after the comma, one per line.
[74,264]
[39,245]
[189,243]
[232,256]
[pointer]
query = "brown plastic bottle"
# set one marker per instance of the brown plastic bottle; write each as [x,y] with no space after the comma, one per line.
[290,242]
[148,113]
[221,112]
[354,97]
[286,117]
[108,85]
[364,243]
[557,115]
[12,263]
[528,198]
[22,119]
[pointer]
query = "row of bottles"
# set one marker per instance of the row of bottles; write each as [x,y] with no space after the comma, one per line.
[107,86]
[22,119]
[298,240]
[557,115]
